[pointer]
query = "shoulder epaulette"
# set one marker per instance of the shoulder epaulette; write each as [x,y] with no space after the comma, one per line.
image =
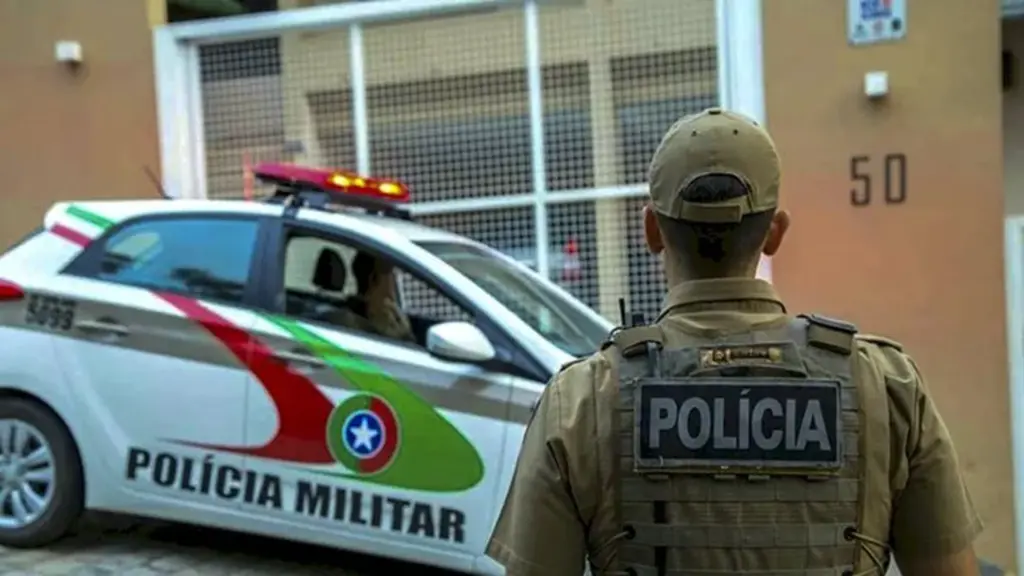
[632,341]
[881,341]
[829,333]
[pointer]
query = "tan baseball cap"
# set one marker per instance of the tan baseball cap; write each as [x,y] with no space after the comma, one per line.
[714,141]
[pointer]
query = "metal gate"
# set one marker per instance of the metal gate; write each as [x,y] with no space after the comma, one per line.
[526,124]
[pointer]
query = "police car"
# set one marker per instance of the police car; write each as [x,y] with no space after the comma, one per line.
[181,360]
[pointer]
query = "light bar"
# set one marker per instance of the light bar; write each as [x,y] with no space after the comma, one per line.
[333,181]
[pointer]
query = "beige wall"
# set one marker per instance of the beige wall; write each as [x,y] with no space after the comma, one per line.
[66,135]
[929,272]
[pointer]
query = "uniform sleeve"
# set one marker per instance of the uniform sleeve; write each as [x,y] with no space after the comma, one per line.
[933,514]
[539,531]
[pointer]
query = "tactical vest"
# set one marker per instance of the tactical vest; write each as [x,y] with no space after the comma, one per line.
[741,454]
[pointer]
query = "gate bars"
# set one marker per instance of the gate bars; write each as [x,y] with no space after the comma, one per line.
[179,99]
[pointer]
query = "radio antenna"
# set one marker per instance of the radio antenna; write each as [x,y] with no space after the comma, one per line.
[156,183]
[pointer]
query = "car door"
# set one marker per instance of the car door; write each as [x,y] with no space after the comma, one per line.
[158,354]
[387,441]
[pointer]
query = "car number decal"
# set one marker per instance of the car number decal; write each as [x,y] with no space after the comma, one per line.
[50,312]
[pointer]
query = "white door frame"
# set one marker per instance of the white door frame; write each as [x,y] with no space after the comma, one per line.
[1014,273]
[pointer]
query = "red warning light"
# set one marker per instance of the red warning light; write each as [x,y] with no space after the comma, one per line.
[333,181]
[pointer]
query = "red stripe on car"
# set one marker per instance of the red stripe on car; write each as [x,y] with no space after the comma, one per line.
[302,410]
[70,235]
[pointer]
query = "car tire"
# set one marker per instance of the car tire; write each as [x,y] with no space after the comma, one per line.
[67,490]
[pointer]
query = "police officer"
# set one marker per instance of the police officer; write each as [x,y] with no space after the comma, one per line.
[376,301]
[730,437]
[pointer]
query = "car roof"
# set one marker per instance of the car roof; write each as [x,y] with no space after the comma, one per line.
[411,230]
[122,209]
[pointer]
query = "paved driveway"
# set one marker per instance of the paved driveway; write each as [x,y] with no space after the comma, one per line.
[115,546]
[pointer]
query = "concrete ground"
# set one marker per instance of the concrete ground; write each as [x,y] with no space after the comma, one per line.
[111,546]
[114,546]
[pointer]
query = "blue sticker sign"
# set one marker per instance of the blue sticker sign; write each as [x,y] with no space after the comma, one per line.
[874,21]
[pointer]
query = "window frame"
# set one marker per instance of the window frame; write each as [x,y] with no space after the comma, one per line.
[87,263]
[510,357]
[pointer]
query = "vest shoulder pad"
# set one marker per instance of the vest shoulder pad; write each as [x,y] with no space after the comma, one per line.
[571,363]
[829,333]
[881,341]
[631,341]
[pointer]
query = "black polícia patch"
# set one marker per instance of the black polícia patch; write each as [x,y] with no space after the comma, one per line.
[722,425]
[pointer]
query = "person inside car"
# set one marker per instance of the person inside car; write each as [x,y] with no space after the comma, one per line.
[329,277]
[376,300]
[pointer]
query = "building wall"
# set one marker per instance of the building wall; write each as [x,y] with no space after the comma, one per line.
[928,272]
[73,135]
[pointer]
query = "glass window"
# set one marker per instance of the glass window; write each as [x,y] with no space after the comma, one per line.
[206,258]
[336,284]
[423,300]
[185,10]
[550,312]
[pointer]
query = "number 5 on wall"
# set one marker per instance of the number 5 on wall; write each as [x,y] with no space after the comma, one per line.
[894,178]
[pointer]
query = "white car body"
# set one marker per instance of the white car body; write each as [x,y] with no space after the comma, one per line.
[170,419]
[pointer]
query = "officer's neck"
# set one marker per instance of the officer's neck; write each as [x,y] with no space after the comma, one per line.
[677,272]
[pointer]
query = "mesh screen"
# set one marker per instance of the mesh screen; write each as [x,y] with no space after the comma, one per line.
[448,113]
[641,65]
[281,99]
[420,299]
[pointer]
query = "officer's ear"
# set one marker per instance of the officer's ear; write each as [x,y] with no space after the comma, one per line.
[776,232]
[652,234]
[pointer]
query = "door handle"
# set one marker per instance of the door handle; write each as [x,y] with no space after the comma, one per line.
[102,327]
[300,358]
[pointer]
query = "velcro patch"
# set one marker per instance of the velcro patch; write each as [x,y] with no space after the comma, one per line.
[723,356]
[736,426]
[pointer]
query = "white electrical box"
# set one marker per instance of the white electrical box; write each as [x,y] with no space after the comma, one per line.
[68,52]
[876,84]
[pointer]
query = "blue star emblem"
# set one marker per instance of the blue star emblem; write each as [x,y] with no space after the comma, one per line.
[364,433]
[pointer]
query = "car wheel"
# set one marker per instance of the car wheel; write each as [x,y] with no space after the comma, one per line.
[41,488]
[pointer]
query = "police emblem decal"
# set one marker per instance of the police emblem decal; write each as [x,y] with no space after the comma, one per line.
[363,434]
[706,425]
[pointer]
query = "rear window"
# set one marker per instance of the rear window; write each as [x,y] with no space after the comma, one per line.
[24,239]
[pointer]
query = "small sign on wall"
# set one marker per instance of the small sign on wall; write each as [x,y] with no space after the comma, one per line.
[874,21]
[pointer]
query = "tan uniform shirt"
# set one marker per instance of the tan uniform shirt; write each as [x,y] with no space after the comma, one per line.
[560,508]
[387,320]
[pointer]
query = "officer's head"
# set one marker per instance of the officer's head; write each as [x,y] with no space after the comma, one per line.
[714,184]
[372,273]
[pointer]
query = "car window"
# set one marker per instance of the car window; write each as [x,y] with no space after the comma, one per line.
[421,299]
[547,311]
[335,283]
[300,262]
[206,258]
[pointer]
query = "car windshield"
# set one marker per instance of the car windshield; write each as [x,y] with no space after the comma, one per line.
[547,311]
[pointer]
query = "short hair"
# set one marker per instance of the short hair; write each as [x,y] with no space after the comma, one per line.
[715,249]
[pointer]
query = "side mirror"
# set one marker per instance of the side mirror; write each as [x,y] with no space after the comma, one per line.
[460,341]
